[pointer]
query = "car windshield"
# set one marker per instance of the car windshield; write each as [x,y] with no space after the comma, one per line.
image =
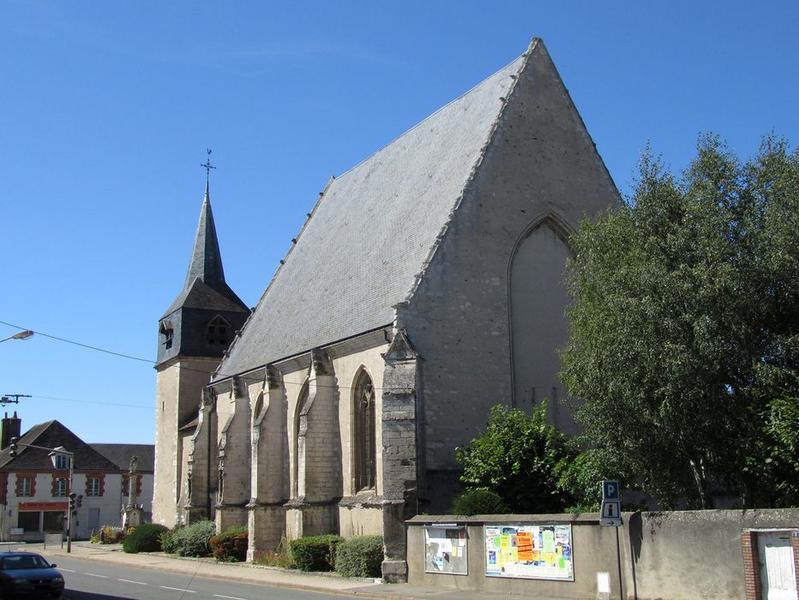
[23,561]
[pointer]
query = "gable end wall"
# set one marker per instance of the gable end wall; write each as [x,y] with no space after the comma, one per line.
[541,163]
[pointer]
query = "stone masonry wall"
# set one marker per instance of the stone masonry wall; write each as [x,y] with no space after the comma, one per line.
[178,396]
[541,164]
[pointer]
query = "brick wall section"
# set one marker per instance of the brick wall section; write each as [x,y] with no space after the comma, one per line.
[795,547]
[126,483]
[751,566]
[89,477]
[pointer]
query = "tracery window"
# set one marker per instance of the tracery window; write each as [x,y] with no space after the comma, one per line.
[364,444]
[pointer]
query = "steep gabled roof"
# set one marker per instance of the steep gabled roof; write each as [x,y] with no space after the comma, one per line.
[205,285]
[372,232]
[120,455]
[51,435]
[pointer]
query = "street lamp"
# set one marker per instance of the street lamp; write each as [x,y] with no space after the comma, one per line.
[20,335]
[55,454]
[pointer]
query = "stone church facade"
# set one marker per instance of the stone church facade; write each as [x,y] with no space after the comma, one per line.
[425,287]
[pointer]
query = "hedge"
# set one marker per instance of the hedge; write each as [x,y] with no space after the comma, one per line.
[230,545]
[191,540]
[144,538]
[315,553]
[360,556]
[479,501]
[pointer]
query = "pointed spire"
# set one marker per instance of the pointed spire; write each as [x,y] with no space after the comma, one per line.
[206,261]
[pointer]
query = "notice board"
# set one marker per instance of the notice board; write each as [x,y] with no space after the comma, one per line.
[529,551]
[445,549]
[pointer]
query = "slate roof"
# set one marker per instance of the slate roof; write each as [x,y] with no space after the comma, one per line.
[371,233]
[120,455]
[51,435]
[205,285]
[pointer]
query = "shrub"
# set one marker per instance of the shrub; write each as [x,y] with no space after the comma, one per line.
[111,535]
[145,538]
[479,501]
[169,541]
[280,557]
[360,556]
[315,553]
[191,540]
[517,453]
[230,545]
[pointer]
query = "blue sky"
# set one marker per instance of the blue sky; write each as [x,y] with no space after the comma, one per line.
[106,110]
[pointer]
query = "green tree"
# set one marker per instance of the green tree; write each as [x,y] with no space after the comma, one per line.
[521,458]
[684,345]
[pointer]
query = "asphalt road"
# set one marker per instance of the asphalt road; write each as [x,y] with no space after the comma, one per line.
[89,580]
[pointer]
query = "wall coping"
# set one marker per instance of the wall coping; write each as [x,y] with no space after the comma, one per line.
[593,518]
[586,518]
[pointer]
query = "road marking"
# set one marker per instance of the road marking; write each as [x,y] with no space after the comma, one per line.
[96,575]
[229,597]
[166,587]
[131,581]
[66,570]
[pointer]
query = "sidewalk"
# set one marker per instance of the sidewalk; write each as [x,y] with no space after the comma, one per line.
[256,574]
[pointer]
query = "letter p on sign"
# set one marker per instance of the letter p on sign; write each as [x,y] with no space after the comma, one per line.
[610,490]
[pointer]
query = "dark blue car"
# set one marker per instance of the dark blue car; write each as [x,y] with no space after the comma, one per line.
[29,575]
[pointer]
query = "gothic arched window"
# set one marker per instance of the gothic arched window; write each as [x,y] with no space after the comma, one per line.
[218,331]
[259,407]
[364,443]
[295,440]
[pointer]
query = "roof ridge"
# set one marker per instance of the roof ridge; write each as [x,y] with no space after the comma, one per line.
[478,161]
[434,113]
[274,276]
[484,104]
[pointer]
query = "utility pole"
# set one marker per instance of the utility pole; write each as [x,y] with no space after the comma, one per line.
[7,399]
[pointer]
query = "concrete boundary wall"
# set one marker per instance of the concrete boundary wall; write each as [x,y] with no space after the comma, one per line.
[680,555]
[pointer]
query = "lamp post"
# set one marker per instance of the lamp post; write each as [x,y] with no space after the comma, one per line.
[54,454]
[20,335]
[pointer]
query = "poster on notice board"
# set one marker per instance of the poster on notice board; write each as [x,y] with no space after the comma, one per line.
[445,549]
[529,551]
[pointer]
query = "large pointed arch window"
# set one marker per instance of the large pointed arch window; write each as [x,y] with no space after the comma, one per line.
[364,443]
[295,441]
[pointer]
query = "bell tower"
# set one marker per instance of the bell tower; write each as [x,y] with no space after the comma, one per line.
[193,334]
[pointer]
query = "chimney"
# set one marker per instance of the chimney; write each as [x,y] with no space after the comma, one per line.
[11,427]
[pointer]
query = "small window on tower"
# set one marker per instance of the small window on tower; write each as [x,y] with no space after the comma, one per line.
[165,329]
[218,331]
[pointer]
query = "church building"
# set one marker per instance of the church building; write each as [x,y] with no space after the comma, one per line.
[426,286]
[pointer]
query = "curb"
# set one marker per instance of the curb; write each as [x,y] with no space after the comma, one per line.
[102,557]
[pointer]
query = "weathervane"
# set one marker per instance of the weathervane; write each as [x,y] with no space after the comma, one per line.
[208,166]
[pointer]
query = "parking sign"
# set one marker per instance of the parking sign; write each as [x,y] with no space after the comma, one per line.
[610,490]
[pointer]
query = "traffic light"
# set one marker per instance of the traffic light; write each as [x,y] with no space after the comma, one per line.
[13,447]
[72,498]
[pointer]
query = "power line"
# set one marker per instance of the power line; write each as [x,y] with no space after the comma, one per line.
[152,362]
[149,407]
[81,344]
